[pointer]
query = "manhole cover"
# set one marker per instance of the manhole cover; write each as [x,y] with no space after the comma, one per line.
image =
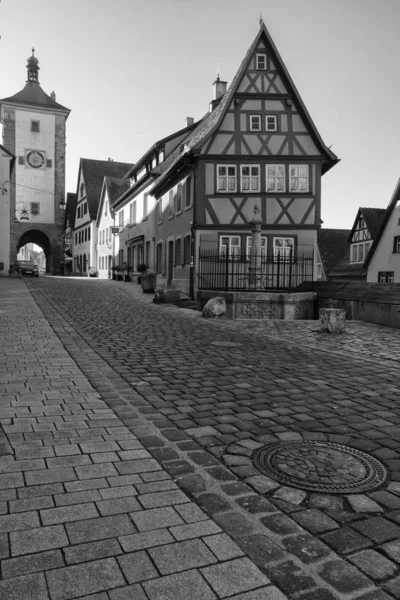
[320,467]
[226,344]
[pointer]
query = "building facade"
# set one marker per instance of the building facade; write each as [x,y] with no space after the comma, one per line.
[7,161]
[34,130]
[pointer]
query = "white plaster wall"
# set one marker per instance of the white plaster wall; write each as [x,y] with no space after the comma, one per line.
[41,180]
[5,212]
[107,248]
[384,259]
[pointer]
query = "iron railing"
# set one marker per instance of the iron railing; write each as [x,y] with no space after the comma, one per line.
[265,273]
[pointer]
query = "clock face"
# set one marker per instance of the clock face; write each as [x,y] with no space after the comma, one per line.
[35,159]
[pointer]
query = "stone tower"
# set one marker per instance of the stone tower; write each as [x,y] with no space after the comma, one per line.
[34,127]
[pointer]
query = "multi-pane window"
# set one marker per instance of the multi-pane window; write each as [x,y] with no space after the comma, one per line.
[250,178]
[132,213]
[359,252]
[264,246]
[159,258]
[178,198]
[145,205]
[298,180]
[85,208]
[275,178]
[171,204]
[85,235]
[178,258]
[255,122]
[188,192]
[82,189]
[229,244]
[261,62]
[121,218]
[35,126]
[385,276]
[88,236]
[226,178]
[35,208]
[396,244]
[271,123]
[283,246]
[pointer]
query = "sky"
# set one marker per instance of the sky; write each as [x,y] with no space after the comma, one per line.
[131,71]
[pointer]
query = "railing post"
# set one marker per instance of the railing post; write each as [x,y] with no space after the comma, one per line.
[227,269]
[278,271]
[290,268]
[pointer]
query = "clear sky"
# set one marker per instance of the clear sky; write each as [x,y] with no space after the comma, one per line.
[132,70]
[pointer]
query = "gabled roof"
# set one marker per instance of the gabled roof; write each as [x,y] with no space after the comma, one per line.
[33,95]
[333,246]
[93,172]
[373,218]
[3,149]
[70,209]
[387,214]
[211,120]
[115,187]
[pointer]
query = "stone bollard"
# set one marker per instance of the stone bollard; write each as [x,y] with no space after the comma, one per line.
[332,320]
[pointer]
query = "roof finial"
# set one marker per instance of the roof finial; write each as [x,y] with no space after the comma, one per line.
[33,50]
[261,20]
[217,75]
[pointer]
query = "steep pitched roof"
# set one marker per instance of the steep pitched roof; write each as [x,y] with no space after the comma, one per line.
[32,94]
[210,121]
[333,246]
[115,187]
[94,172]
[373,219]
[387,214]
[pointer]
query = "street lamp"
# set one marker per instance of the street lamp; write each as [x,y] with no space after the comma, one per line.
[62,204]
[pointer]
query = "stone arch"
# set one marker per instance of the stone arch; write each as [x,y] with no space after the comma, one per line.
[35,236]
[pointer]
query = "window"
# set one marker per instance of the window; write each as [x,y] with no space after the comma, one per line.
[178,257]
[186,250]
[132,213]
[79,237]
[85,235]
[359,252]
[21,160]
[178,198]
[275,178]
[396,244]
[171,204]
[226,178]
[250,178]
[159,211]
[76,238]
[385,276]
[283,247]
[255,122]
[82,189]
[159,258]
[121,218]
[229,244]
[88,233]
[35,126]
[35,208]
[298,178]
[261,62]
[271,123]
[85,208]
[147,253]
[105,208]
[264,246]
[187,194]
[145,206]
[49,163]
[79,212]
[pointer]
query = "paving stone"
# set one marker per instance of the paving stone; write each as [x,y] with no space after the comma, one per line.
[92,551]
[88,578]
[306,548]
[393,586]
[343,577]
[234,524]
[58,475]
[181,556]
[320,594]
[96,471]
[30,504]
[192,530]
[146,539]
[212,503]
[326,502]
[264,593]
[179,586]
[130,592]
[386,499]
[40,490]
[262,483]
[363,504]
[378,529]
[290,495]
[222,546]
[345,540]
[16,521]
[281,524]
[64,514]
[374,595]
[167,498]
[255,504]
[156,518]
[190,512]
[11,480]
[28,587]
[77,497]
[392,550]
[290,577]
[42,561]
[38,540]
[137,567]
[260,549]
[314,520]
[178,467]
[374,564]
[91,530]
[116,506]
[238,575]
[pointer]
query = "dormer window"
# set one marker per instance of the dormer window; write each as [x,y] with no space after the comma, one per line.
[261,62]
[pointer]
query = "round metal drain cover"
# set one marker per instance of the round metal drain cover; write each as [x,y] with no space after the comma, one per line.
[320,467]
[226,344]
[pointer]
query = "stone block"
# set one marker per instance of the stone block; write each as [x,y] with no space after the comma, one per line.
[215,307]
[181,556]
[179,586]
[234,577]
[332,320]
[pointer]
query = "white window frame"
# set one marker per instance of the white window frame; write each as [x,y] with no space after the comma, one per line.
[275,178]
[233,245]
[359,250]
[226,182]
[284,249]
[275,124]
[254,180]
[385,276]
[261,57]
[256,124]
[132,213]
[302,173]
[264,245]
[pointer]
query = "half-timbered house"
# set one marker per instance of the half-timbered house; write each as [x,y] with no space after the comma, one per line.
[256,148]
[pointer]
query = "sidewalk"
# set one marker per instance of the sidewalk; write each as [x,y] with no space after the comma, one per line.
[85,509]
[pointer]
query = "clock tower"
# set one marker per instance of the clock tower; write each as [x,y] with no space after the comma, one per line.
[34,129]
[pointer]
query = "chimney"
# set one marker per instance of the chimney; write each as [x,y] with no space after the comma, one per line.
[189,121]
[219,89]
[110,159]
[53,96]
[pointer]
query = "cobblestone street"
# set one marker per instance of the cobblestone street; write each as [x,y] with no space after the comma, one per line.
[126,466]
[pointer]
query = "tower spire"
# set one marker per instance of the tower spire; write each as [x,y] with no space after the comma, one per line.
[33,67]
[261,21]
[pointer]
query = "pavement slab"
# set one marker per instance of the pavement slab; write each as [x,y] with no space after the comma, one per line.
[105,418]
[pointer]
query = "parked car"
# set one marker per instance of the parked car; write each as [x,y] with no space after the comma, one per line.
[28,267]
